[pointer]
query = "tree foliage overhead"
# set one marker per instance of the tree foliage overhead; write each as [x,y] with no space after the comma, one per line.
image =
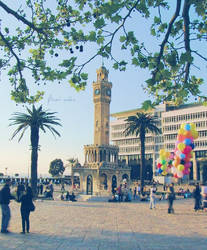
[46,33]
[56,167]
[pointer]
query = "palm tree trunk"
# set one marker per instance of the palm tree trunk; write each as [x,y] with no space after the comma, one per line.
[34,158]
[142,165]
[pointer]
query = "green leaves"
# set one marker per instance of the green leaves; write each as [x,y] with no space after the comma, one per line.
[99,23]
[45,46]
[186,57]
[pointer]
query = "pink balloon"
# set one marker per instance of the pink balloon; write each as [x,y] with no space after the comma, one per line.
[171,156]
[187,149]
[186,172]
[187,164]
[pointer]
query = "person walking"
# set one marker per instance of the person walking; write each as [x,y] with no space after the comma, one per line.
[153,190]
[171,198]
[5,198]
[197,197]
[26,204]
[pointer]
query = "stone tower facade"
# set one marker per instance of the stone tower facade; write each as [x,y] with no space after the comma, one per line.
[101,172]
[101,98]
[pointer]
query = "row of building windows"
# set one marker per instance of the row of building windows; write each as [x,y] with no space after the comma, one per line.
[176,127]
[173,137]
[133,141]
[158,147]
[198,144]
[119,127]
[201,144]
[202,153]
[135,157]
[159,139]
[186,117]
[135,149]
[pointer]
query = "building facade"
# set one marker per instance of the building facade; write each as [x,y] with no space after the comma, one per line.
[101,172]
[170,119]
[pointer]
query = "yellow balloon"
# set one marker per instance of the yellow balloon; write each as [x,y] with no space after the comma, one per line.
[167,154]
[162,157]
[164,172]
[182,126]
[195,134]
[181,131]
[181,146]
[180,167]
[193,126]
[163,167]
[162,151]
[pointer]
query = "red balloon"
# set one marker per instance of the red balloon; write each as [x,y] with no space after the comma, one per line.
[181,138]
[159,165]
[175,175]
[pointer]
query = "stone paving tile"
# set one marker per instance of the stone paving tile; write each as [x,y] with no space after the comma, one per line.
[108,226]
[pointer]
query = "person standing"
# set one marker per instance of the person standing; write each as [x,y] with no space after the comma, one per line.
[171,198]
[135,193]
[138,189]
[26,204]
[5,200]
[153,190]
[197,197]
[51,189]
[41,188]
[120,193]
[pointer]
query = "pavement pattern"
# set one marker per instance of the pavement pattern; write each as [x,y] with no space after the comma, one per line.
[102,225]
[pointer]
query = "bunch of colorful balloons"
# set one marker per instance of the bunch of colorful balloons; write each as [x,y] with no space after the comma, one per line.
[183,150]
[164,162]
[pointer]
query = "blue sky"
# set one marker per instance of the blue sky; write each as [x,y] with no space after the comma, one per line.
[76,111]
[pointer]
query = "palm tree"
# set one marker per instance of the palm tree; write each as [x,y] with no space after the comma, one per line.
[35,119]
[139,125]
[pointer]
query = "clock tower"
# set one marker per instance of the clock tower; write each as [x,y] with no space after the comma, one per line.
[101,172]
[101,98]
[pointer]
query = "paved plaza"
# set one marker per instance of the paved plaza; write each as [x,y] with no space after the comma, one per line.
[103,225]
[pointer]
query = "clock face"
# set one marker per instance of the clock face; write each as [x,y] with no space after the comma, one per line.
[108,92]
[97,91]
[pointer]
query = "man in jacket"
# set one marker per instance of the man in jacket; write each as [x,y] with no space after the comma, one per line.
[5,200]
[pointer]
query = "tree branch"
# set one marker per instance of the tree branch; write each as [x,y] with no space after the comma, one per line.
[176,14]
[186,30]
[14,54]
[112,37]
[17,16]
[204,58]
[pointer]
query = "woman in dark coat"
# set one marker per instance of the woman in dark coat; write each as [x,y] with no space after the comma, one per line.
[171,198]
[26,203]
[197,197]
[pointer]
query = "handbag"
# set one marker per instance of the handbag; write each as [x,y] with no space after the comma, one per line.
[32,207]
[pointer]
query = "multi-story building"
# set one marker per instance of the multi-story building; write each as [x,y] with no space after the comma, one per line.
[170,119]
